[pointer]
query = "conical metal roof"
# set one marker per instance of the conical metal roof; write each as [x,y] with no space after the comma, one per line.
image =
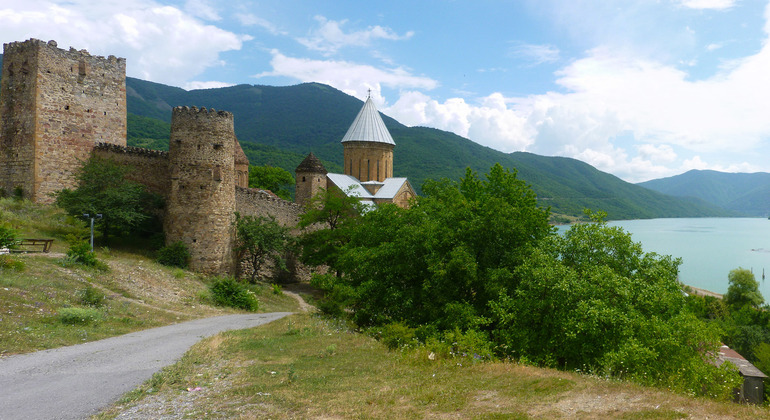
[368,126]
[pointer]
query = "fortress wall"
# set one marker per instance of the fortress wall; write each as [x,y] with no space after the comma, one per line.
[76,100]
[255,202]
[148,167]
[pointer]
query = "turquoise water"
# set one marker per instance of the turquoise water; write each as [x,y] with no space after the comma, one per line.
[709,247]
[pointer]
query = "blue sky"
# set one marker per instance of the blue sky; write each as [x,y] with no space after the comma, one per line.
[641,89]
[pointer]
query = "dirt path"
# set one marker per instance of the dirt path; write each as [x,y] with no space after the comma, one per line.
[78,381]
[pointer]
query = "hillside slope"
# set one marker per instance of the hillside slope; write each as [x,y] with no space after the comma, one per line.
[744,193]
[292,121]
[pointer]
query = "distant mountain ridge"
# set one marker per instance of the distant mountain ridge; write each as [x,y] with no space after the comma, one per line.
[281,125]
[745,193]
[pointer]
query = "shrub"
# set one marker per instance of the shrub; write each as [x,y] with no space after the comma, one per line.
[227,291]
[174,255]
[6,261]
[80,253]
[91,296]
[18,193]
[277,290]
[396,335]
[7,237]
[79,316]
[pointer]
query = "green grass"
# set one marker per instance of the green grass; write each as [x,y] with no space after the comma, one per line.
[135,293]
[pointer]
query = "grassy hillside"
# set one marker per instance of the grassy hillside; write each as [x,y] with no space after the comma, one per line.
[138,292]
[744,193]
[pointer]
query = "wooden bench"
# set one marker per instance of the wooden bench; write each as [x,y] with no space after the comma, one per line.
[33,245]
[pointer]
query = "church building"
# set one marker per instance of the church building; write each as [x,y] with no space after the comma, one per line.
[368,164]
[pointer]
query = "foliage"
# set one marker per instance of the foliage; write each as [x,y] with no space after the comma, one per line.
[227,291]
[743,289]
[10,263]
[8,237]
[126,207]
[80,253]
[593,299]
[441,261]
[327,221]
[267,177]
[258,238]
[80,316]
[146,132]
[174,255]
[91,296]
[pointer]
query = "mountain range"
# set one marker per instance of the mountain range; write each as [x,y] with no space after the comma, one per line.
[279,126]
[743,193]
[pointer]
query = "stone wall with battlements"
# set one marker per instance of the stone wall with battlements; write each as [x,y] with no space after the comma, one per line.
[147,167]
[256,202]
[55,105]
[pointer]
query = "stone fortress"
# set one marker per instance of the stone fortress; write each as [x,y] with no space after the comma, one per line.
[60,107]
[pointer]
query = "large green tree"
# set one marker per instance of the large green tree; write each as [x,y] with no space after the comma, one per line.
[277,180]
[441,261]
[126,207]
[743,289]
[257,239]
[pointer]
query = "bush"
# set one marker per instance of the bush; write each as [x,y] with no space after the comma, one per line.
[229,292]
[7,237]
[174,255]
[91,296]
[80,253]
[79,316]
[10,263]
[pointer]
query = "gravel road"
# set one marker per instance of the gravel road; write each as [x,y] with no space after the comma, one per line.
[79,381]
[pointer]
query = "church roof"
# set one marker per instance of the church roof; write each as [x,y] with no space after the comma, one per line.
[349,185]
[240,157]
[368,126]
[390,188]
[311,164]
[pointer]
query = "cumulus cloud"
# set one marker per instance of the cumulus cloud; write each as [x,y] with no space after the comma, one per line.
[205,85]
[351,78]
[202,9]
[160,43]
[329,37]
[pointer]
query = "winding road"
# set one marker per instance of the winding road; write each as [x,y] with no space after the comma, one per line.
[79,381]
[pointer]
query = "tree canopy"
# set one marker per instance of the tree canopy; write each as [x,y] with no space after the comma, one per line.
[126,207]
[475,263]
[271,178]
[743,289]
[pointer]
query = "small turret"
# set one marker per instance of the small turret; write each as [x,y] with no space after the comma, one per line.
[310,179]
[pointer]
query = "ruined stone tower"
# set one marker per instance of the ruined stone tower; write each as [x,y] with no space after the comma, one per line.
[201,202]
[54,106]
[310,178]
[368,146]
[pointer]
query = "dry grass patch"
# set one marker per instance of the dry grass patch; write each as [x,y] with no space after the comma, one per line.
[306,367]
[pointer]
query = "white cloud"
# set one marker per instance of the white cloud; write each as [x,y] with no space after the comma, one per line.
[351,78]
[161,43]
[330,37]
[535,54]
[202,9]
[709,4]
[250,19]
[205,85]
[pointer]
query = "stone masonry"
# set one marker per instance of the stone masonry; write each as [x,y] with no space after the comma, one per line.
[58,108]
[56,105]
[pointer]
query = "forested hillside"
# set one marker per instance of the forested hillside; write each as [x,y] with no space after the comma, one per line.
[280,125]
[744,193]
